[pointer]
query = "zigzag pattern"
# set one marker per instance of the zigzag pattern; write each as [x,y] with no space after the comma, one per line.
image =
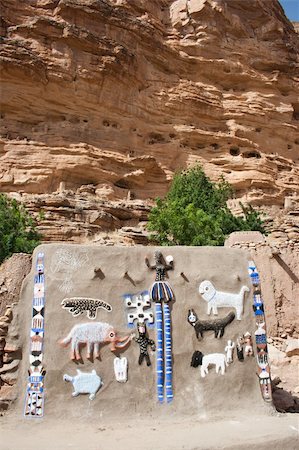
[34,402]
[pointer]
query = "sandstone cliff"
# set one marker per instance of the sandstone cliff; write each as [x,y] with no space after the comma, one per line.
[102,100]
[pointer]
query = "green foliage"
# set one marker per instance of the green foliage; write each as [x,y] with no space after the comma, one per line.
[17,229]
[194,212]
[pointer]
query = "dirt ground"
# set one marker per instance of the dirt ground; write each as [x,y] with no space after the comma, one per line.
[276,432]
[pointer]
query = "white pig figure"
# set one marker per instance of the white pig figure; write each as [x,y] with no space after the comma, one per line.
[85,383]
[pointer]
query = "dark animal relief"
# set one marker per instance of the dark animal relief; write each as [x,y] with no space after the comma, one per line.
[217,325]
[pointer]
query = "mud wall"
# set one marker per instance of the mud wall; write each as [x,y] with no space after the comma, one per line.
[70,272]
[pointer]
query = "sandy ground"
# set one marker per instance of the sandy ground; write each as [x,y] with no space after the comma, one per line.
[277,432]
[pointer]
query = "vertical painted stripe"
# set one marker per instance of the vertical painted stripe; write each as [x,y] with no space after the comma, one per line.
[159,354]
[168,354]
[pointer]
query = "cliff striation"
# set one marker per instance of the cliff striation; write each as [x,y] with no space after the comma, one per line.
[102,100]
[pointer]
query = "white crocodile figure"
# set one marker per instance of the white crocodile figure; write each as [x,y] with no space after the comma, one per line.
[85,383]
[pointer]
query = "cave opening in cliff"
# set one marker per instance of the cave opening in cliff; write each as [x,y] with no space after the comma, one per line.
[234,151]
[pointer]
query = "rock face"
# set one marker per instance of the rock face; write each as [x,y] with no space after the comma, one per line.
[278,267]
[12,274]
[103,100]
[284,372]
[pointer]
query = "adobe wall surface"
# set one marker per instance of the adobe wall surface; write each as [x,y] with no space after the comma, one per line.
[214,396]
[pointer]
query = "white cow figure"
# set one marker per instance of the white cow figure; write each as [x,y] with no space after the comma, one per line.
[199,359]
[218,299]
[85,383]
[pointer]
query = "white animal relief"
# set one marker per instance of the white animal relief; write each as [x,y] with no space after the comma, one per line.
[218,299]
[217,359]
[85,383]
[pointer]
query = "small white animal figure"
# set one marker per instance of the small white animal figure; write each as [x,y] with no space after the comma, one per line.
[198,359]
[229,349]
[85,383]
[121,369]
[217,299]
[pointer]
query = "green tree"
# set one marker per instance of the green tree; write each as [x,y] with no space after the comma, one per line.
[17,228]
[194,212]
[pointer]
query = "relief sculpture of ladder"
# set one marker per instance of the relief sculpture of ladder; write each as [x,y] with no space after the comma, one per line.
[34,401]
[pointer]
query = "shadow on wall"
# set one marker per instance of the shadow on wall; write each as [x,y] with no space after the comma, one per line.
[283,264]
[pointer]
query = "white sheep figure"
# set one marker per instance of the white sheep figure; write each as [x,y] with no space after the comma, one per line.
[199,359]
[85,383]
[218,299]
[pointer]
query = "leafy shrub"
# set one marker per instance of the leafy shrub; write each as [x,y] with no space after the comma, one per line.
[17,228]
[194,212]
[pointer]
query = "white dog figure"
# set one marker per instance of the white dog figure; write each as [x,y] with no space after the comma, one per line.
[198,359]
[229,349]
[217,299]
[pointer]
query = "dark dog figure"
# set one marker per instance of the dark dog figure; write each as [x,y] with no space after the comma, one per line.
[217,325]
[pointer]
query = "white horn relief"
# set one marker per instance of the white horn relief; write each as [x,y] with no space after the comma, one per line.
[218,299]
